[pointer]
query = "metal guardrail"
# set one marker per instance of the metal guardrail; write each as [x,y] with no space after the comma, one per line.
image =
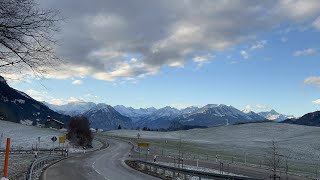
[38,163]
[199,174]
[30,151]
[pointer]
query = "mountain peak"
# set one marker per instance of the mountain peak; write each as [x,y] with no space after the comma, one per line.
[211,106]
[273,111]
[168,108]
[102,106]
[246,111]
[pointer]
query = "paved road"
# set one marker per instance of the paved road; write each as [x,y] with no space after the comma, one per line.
[106,164]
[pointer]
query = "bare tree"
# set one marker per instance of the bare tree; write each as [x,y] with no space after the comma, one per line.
[27,36]
[79,131]
[274,158]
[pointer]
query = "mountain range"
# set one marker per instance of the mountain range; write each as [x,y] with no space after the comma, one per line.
[17,106]
[128,117]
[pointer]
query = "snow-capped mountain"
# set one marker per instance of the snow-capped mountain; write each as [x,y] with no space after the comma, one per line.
[275,116]
[214,115]
[16,106]
[134,114]
[255,116]
[72,109]
[103,116]
[161,118]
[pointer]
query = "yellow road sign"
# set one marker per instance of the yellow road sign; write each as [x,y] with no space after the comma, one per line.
[62,139]
[143,144]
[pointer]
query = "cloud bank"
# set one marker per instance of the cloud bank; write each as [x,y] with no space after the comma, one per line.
[100,38]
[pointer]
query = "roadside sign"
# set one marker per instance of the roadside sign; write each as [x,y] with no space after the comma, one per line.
[54,139]
[62,139]
[143,144]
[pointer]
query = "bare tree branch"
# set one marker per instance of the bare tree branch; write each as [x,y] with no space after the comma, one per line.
[27,36]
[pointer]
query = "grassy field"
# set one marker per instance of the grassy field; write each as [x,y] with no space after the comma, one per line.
[23,136]
[298,145]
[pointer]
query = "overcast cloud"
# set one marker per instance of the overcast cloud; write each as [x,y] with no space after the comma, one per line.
[99,38]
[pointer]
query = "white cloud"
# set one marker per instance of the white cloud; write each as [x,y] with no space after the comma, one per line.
[258,45]
[38,95]
[316,23]
[297,10]
[60,101]
[244,54]
[200,60]
[316,102]
[305,52]
[43,96]
[166,36]
[77,82]
[312,81]
[176,64]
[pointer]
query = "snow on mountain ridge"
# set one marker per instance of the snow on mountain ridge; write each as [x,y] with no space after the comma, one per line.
[73,108]
[134,114]
[274,115]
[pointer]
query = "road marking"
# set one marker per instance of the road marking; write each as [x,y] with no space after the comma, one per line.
[93,166]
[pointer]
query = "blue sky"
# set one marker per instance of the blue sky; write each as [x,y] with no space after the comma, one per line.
[258,55]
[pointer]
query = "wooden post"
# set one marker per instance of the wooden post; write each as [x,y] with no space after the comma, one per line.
[6,161]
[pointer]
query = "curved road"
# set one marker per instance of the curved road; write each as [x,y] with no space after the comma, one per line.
[106,164]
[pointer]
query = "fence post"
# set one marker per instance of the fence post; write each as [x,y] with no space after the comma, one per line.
[245,158]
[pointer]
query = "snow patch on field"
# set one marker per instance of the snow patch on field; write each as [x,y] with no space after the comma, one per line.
[299,142]
[24,136]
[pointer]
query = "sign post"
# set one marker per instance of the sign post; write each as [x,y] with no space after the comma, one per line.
[143,144]
[53,139]
[6,161]
[1,137]
[62,140]
[39,142]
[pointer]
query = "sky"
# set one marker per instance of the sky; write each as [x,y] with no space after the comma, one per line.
[257,55]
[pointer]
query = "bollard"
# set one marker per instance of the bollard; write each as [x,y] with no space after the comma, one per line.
[6,161]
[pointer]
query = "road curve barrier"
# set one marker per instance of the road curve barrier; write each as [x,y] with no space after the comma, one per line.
[39,163]
[154,169]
